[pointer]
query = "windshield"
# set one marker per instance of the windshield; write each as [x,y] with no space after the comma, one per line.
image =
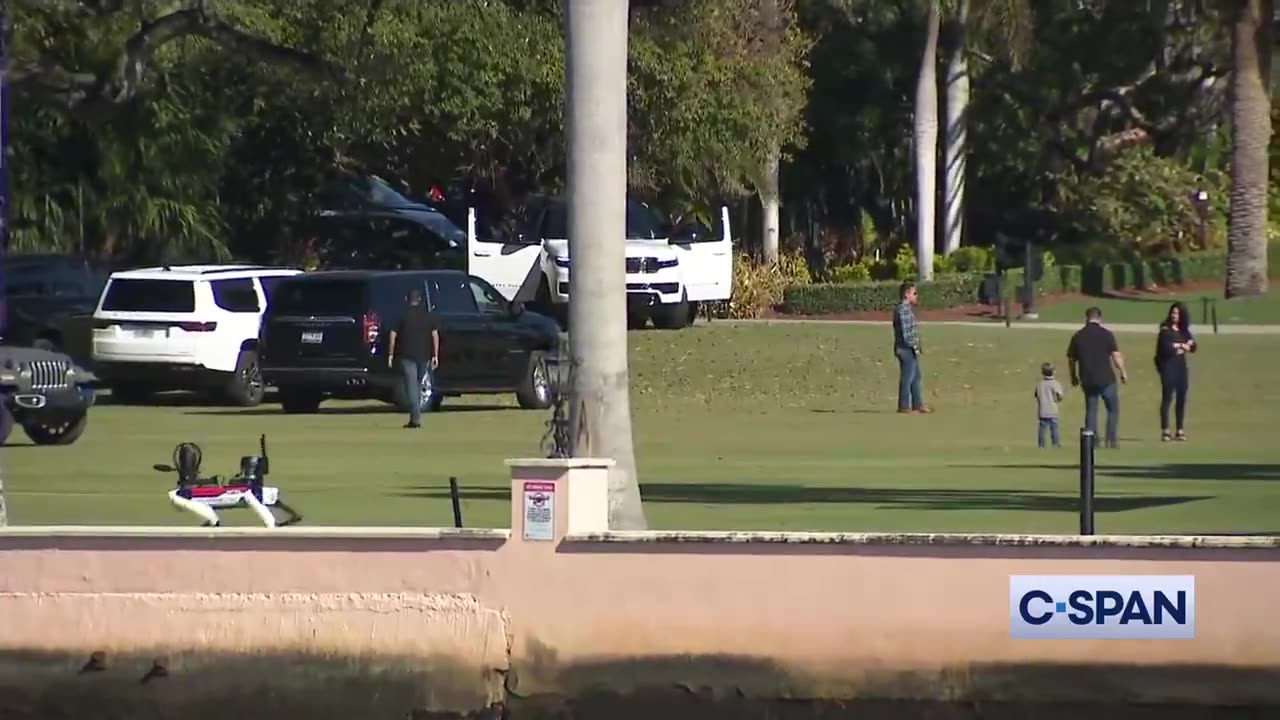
[643,222]
[377,191]
[441,225]
[320,297]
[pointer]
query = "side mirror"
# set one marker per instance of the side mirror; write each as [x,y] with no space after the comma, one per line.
[517,309]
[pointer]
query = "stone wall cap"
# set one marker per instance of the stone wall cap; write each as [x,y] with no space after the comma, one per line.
[292,531]
[574,462]
[951,539]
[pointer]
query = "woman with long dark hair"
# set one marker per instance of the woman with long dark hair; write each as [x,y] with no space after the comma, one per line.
[1173,344]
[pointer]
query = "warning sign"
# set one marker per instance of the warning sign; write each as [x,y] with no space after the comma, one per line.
[539,510]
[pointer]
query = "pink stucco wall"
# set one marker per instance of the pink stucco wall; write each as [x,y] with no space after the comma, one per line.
[767,613]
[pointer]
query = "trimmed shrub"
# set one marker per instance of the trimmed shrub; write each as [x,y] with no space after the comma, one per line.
[971,259]
[757,287]
[943,292]
[855,272]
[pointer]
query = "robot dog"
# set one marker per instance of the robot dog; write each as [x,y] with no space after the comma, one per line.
[202,496]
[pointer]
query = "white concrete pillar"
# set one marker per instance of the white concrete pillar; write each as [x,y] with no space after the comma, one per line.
[551,498]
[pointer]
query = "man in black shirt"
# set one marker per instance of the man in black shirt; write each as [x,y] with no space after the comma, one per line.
[1094,357]
[416,344]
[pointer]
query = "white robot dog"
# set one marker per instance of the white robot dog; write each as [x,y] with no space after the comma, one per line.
[202,496]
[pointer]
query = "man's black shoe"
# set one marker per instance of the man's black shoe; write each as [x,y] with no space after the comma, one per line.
[412,425]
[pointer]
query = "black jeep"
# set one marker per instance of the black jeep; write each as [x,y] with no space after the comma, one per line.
[44,392]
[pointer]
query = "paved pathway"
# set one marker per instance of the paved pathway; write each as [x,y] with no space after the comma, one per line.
[1032,324]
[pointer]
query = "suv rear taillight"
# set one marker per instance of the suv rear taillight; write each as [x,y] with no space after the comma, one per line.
[371,327]
[198,326]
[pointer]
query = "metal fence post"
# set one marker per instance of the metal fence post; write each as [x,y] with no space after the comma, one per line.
[1087,441]
[456,499]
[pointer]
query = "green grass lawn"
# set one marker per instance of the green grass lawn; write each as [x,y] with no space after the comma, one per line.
[759,427]
[1151,308]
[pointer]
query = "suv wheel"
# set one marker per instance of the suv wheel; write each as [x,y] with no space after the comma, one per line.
[6,420]
[246,388]
[534,392]
[299,402]
[63,432]
[672,317]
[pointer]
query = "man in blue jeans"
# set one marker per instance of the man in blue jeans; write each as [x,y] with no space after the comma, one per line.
[906,347]
[416,344]
[1094,357]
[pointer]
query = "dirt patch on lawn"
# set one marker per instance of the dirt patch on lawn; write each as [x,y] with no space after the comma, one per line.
[993,313]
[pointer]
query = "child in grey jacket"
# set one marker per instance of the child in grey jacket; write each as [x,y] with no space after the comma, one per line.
[1048,395]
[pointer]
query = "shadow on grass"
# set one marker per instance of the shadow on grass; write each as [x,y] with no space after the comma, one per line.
[1173,471]
[381,409]
[888,498]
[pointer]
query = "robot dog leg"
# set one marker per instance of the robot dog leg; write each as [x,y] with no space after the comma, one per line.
[204,512]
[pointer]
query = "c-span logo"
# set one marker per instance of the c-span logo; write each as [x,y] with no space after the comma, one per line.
[1102,607]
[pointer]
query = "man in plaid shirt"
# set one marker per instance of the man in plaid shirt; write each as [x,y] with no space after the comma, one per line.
[906,346]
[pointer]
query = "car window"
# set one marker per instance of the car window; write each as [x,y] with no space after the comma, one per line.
[488,300]
[321,297]
[150,295]
[452,294]
[235,295]
[269,283]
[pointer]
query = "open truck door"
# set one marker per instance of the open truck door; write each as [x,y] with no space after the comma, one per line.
[707,260]
[513,266]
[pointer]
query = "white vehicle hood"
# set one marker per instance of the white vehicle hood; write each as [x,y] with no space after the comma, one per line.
[660,249]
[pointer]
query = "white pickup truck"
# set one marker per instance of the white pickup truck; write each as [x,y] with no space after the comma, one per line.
[669,273]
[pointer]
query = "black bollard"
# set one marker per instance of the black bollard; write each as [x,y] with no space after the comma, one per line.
[1087,440]
[457,502]
[1204,309]
[1213,308]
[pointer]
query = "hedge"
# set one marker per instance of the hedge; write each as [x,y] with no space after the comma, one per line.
[948,291]
[944,291]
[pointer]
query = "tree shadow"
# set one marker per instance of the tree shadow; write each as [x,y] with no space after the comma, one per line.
[381,409]
[1263,472]
[883,498]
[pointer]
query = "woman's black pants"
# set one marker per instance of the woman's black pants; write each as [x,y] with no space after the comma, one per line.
[1174,381]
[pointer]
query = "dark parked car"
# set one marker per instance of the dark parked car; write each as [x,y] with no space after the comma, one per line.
[325,335]
[49,301]
[44,392]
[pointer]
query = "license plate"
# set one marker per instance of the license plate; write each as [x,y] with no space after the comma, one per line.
[144,332]
[313,338]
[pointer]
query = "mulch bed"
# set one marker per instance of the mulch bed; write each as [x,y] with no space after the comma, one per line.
[991,312]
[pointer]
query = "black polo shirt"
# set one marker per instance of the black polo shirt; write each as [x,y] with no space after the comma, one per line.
[1091,348]
[413,336]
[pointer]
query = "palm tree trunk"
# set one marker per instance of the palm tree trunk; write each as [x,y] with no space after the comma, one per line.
[770,204]
[926,146]
[596,57]
[956,131]
[4,186]
[1251,38]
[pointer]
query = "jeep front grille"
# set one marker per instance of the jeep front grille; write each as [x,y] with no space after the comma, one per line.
[49,374]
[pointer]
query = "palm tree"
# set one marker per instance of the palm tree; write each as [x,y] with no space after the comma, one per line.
[926,144]
[1011,22]
[1251,39]
[596,81]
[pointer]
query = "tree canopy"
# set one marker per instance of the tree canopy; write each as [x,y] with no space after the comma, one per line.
[206,128]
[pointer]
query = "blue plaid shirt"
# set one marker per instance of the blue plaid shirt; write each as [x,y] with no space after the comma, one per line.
[905,328]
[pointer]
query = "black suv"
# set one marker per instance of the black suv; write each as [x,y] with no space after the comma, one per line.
[325,334]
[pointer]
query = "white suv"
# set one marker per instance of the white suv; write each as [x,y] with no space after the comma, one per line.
[184,327]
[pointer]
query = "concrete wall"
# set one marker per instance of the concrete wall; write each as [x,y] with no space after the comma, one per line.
[465,619]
